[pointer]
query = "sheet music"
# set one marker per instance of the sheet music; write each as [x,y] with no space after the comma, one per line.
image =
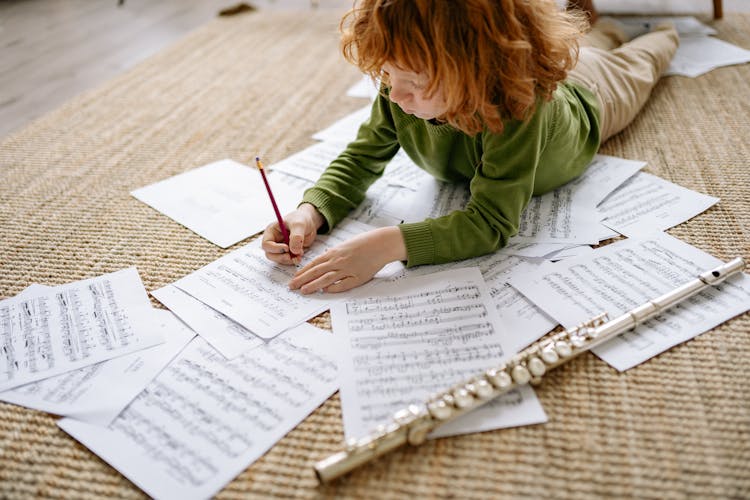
[626,274]
[567,253]
[568,214]
[52,331]
[533,250]
[224,202]
[384,205]
[558,217]
[97,393]
[345,130]
[402,171]
[312,161]
[435,199]
[518,315]
[603,175]
[399,342]
[204,419]
[697,55]
[226,336]
[647,204]
[254,292]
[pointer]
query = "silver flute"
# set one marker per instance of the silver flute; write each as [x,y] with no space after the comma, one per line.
[413,424]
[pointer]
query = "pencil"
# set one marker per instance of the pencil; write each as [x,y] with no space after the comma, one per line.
[282,226]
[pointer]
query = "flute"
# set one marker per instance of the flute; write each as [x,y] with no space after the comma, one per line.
[413,424]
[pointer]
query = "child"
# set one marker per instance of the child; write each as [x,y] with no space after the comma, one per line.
[485,92]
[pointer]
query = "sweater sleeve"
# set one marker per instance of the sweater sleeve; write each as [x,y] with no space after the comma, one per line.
[343,185]
[500,190]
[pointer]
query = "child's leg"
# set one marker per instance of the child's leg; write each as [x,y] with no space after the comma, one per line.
[623,78]
[605,34]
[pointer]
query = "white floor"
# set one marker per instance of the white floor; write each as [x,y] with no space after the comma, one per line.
[52,50]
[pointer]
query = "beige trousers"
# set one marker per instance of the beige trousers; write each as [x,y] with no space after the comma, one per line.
[622,73]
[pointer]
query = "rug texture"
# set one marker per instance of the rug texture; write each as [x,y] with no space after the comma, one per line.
[676,426]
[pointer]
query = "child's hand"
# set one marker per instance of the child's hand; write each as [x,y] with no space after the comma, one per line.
[302,225]
[351,263]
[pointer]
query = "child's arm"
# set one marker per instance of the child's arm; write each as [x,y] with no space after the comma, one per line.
[340,188]
[343,185]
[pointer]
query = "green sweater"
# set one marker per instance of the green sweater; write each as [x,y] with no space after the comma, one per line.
[502,170]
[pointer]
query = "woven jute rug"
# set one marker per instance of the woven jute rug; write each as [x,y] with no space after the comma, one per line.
[676,426]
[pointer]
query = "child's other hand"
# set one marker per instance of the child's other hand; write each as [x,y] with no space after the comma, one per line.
[302,225]
[351,263]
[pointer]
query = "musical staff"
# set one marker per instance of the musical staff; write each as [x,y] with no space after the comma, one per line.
[413,336]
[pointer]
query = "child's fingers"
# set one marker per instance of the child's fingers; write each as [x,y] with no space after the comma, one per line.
[308,274]
[296,243]
[296,237]
[272,234]
[321,283]
[281,258]
[343,285]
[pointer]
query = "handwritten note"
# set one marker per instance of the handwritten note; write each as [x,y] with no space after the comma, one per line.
[99,392]
[626,274]
[204,419]
[402,341]
[64,328]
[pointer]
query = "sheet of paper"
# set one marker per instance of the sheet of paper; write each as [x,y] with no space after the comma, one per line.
[52,331]
[697,55]
[364,88]
[647,204]
[224,202]
[254,292]
[310,163]
[518,315]
[402,171]
[627,274]
[558,217]
[204,419]
[533,250]
[604,175]
[685,25]
[435,199]
[402,341]
[98,393]
[384,205]
[568,214]
[345,130]
[570,252]
[226,336]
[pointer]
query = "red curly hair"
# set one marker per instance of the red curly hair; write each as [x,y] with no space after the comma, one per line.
[491,59]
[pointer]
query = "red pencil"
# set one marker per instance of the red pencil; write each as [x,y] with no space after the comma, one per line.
[282,226]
